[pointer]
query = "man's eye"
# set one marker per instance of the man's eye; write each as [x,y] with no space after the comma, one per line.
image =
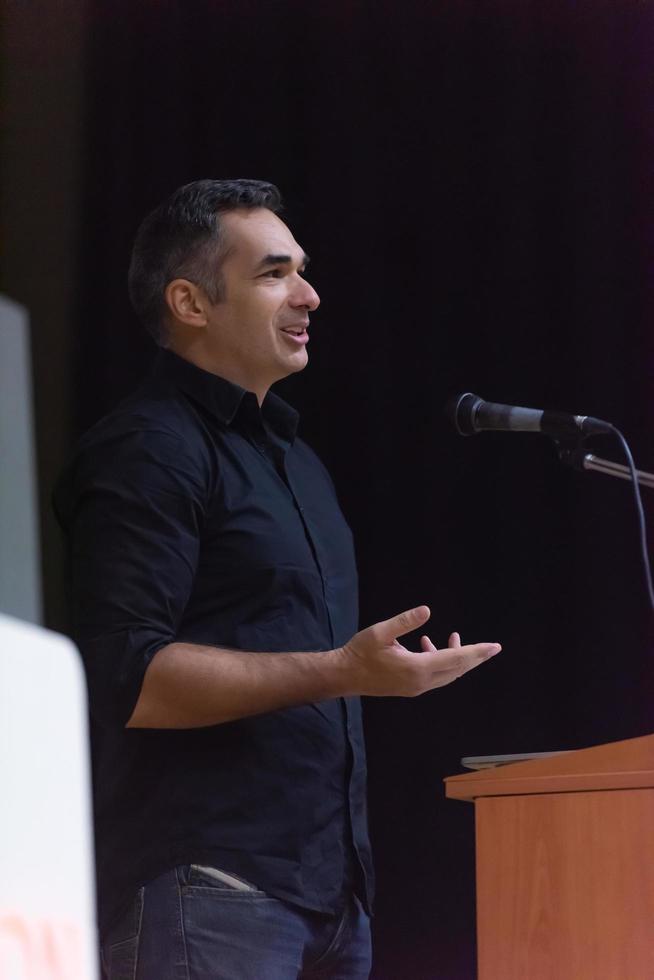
[272,274]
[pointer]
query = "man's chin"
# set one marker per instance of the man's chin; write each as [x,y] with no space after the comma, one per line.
[297,362]
[290,367]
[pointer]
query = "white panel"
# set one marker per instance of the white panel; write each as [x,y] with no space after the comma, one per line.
[20,583]
[47,900]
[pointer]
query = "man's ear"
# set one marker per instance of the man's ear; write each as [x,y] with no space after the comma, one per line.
[186,302]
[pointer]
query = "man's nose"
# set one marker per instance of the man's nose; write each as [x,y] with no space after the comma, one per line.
[305,296]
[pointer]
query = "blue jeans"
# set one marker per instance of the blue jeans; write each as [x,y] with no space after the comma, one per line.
[187,925]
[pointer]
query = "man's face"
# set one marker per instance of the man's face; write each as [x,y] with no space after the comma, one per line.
[257,334]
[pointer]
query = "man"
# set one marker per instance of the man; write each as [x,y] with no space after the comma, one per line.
[214,594]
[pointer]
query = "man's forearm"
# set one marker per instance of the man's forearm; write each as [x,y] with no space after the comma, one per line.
[190,686]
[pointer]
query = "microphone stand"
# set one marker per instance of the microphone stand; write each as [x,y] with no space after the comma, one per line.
[572,454]
[592,462]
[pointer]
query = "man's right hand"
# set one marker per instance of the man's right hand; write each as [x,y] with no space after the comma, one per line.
[379,666]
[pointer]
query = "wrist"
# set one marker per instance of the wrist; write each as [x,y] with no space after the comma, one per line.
[340,673]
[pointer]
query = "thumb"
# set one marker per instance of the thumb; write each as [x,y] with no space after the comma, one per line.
[405,622]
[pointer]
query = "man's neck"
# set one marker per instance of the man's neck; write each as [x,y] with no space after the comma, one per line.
[230,372]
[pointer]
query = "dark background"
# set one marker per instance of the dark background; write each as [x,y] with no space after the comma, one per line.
[473,181]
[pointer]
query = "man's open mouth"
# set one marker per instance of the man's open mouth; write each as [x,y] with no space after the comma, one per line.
[298,334]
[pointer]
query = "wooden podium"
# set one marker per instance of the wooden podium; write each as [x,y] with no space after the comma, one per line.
[565,864]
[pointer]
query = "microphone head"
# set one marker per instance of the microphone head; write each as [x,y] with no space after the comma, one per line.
[461,410]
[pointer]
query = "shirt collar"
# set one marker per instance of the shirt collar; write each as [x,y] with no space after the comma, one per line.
[223,398]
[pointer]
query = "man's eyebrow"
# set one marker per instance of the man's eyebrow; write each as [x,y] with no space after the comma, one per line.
[280,260]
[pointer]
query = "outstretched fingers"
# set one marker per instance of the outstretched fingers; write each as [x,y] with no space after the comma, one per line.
[456,660]
[462,659]
[454,643]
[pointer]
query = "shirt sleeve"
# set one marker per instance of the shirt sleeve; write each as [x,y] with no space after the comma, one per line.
[134,511]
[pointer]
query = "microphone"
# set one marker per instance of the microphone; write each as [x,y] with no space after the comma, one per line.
[471,414]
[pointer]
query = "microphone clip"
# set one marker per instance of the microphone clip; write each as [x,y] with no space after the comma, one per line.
[571,450]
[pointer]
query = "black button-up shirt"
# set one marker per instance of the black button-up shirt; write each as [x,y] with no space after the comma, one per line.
[195,516]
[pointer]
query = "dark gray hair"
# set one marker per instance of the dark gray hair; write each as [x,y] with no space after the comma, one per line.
[181,239]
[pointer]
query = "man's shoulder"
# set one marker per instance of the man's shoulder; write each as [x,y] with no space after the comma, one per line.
[153,415]
[152,436]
